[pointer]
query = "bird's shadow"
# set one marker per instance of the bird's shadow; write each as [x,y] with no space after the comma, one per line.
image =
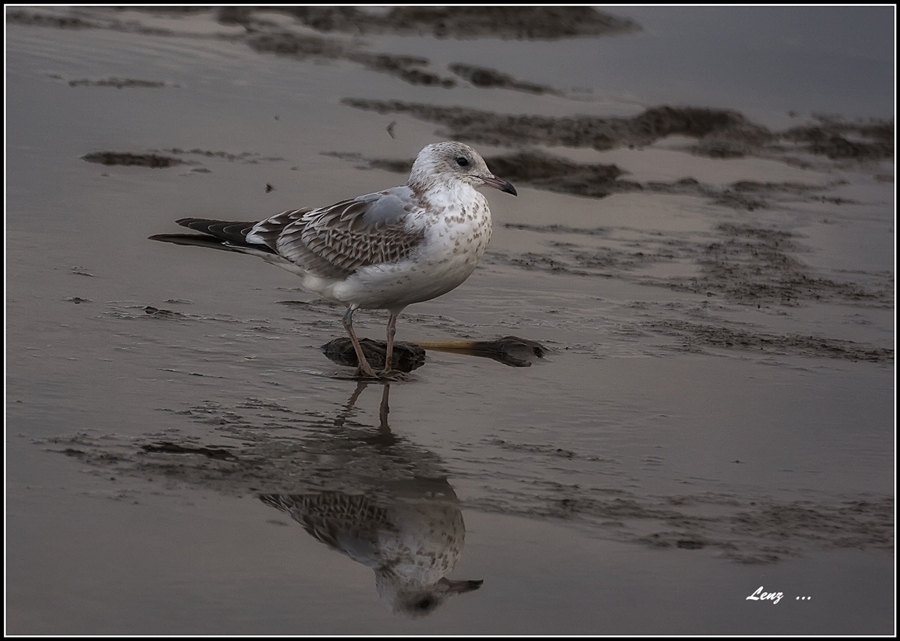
[404,523]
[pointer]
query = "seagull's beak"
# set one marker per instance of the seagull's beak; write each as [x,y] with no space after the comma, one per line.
[498,183]
[460,587]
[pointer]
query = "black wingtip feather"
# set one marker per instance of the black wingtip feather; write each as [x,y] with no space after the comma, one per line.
[200,240]
[218,234]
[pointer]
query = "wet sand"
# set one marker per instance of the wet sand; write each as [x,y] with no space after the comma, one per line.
[714,289]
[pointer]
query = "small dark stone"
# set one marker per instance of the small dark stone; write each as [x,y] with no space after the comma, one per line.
[406,357]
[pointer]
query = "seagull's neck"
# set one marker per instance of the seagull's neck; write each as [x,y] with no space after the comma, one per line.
[444,193]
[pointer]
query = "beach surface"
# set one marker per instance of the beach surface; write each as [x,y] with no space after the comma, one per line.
[703,243]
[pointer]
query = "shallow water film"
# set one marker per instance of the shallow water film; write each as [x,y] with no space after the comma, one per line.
[694,435]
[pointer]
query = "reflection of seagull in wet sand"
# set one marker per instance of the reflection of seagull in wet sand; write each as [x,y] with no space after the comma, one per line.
[410,544]
[384,250]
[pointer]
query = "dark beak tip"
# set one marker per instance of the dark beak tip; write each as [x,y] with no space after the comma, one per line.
[498,183]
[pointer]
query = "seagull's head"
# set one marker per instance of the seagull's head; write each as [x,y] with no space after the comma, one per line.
[405,596]
[454,161]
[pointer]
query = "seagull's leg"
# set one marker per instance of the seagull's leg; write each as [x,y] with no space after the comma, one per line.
[363,364]
[391,331]
[383,410]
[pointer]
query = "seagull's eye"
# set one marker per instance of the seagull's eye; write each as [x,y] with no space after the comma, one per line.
[462,161]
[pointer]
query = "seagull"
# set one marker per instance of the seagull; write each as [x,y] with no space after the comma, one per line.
[383,250]
[410,540]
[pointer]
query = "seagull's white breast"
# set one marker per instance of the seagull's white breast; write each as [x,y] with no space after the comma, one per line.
[457,223]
